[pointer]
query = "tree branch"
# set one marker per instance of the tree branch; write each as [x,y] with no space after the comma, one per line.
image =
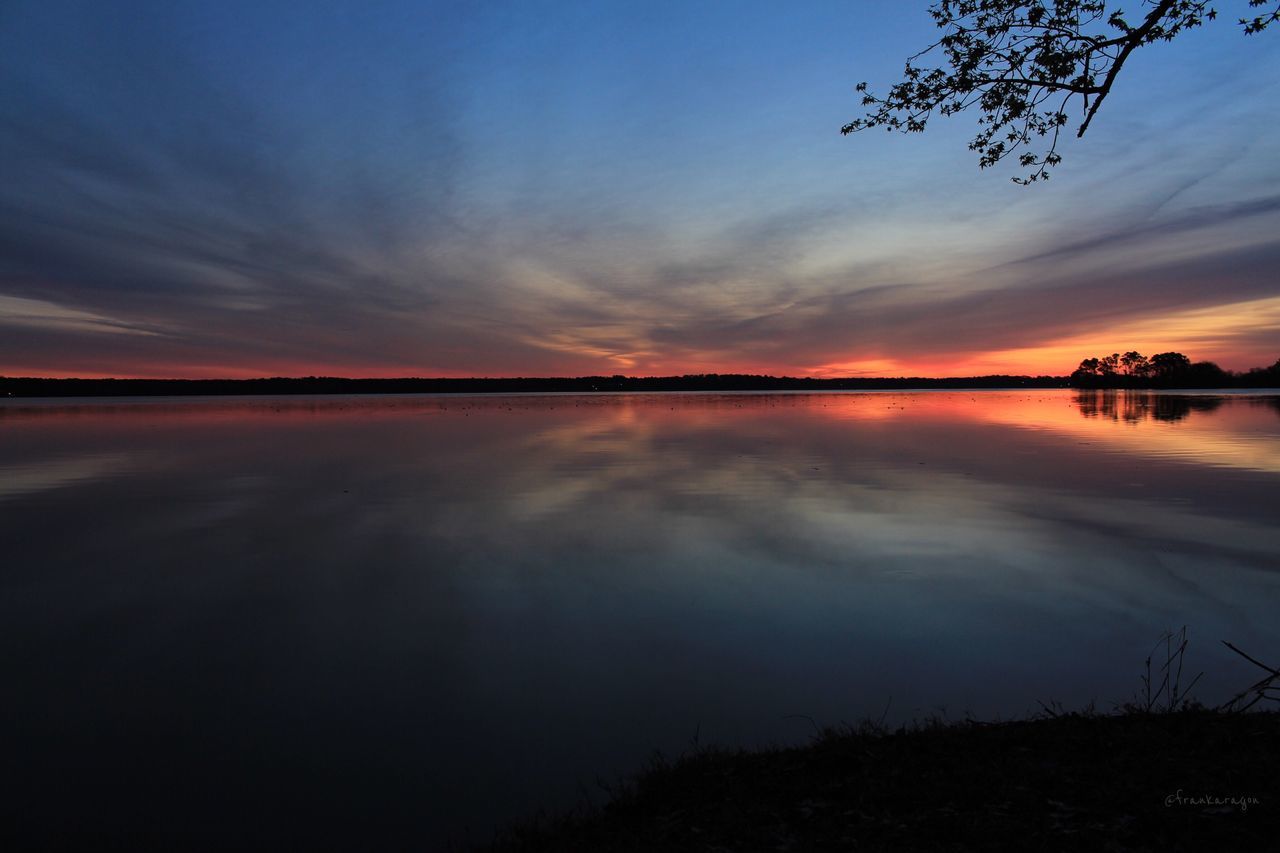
[1005,58]
[1134,39]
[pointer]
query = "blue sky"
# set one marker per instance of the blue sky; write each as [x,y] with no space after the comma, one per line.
[396,188]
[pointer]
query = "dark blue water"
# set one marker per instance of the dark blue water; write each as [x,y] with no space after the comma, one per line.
[381,623]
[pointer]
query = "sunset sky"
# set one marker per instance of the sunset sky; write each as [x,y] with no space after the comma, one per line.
[199,189]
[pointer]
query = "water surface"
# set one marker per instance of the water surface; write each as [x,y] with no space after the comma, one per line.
[388,621]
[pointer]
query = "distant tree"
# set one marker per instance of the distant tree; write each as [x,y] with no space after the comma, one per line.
[1166,370]
[1169,366]
[1022,64]
[1206,374]
[1263,377]
[1134,363]
[1086,375]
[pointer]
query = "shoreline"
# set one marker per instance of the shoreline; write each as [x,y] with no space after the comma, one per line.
[24,389]
[27,387]
[1184,780]
[37,387]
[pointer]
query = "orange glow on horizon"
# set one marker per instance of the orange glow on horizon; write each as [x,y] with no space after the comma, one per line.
[1203,334]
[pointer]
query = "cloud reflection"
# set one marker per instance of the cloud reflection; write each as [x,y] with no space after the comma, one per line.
[336,590]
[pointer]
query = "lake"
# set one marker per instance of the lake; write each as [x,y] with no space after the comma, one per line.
[381,622]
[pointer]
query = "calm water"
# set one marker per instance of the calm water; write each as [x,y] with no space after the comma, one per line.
[404,620]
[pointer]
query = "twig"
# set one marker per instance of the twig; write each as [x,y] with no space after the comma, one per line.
[1259,689]
[816,728]
[1251,660]
[884,713]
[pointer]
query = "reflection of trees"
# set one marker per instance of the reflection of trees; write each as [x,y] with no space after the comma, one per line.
[1134,406]
[1269,402]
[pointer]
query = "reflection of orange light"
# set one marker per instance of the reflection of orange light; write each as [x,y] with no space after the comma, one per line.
[1220,437]
[1228,436]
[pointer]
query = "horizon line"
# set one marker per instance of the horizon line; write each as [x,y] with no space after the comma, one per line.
[528,378]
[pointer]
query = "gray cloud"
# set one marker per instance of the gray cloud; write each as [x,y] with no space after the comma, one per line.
[191,214]
[1187,221]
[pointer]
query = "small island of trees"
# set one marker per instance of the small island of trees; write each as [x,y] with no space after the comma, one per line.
[1167,370]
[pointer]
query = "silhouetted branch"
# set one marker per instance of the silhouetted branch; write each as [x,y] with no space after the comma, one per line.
[1008,57]
[1260,689]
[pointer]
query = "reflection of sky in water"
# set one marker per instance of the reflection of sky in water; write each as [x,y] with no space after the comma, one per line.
[418,613]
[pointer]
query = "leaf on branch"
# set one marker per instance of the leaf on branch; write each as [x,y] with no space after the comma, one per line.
[1008,59]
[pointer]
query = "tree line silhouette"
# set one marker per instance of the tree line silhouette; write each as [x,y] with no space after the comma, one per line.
[713,382]
[1167,370]
[1128,370]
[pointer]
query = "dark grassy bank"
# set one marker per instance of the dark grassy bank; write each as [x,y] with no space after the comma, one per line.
[1188,780]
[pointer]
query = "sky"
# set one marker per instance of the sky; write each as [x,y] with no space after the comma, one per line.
[382,188]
